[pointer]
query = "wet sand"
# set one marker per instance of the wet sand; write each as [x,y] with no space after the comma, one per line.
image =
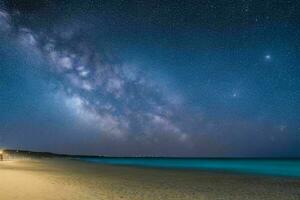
[55,179]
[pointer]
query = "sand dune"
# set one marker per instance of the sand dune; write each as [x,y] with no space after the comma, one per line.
[55,179]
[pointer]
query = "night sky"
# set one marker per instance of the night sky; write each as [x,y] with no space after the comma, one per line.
[162,78]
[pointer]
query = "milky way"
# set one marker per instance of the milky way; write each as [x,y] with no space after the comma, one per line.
[101,91]
[96,101]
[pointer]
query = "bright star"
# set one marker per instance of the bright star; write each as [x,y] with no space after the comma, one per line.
[268,57]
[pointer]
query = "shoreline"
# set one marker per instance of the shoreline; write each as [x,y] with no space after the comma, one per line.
[60,178]
[48,154]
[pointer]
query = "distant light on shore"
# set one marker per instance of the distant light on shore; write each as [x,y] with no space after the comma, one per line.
[1,155]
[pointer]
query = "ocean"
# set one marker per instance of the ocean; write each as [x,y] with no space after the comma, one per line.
[270,167]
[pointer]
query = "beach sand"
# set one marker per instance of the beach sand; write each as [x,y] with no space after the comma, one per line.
[55,179]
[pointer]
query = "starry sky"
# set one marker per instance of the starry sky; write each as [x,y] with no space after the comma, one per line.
[157,78]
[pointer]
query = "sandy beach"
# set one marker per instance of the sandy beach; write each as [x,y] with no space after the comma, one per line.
[55,179]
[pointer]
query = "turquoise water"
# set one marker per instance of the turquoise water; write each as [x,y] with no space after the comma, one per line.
[272,167]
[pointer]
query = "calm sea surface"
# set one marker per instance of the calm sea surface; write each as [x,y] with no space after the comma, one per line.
[272,167]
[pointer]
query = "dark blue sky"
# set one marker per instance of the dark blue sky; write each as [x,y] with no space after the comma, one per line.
[176,78]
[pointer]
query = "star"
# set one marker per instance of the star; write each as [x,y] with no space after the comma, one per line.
[235,95]
[268,57]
